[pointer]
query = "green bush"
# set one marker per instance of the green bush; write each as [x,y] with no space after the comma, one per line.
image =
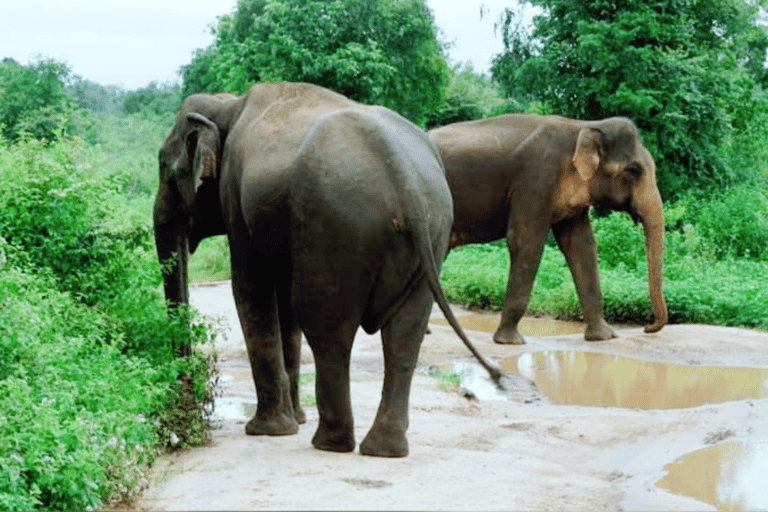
[619,240]
[128,147]
[89,385]
[736,225]
[77,414]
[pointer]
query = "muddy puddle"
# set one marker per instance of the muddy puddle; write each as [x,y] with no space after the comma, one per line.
[602,380]
[238,401]
[487,322]
[729,476]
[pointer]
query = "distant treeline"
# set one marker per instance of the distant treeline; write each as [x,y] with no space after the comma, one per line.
[44,100]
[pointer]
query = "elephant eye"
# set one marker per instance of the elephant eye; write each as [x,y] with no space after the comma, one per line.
[633,172]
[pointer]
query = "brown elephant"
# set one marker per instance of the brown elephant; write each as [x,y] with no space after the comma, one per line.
[338,216]
[517,176]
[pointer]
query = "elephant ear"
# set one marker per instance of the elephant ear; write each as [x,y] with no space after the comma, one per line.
[586,158]
[206,147]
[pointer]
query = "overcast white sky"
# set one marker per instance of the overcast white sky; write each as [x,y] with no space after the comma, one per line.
[133,43]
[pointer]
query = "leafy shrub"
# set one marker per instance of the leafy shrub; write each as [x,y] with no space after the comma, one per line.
[476,275]
[76,413]
[89,386]
[736,225]
[128,150]
[619,240]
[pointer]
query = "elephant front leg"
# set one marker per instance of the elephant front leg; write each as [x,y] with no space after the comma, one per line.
[401,340]
[257,308]
[577,242]
[525,245]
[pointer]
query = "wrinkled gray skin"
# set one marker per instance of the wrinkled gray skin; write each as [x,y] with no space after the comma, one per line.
[336,215]
[518,176]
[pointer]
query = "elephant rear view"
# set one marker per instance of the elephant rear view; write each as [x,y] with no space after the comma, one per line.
[337,214]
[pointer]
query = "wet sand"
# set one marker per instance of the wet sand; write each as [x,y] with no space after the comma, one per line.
[516,450]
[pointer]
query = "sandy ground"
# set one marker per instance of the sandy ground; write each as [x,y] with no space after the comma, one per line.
[517,452]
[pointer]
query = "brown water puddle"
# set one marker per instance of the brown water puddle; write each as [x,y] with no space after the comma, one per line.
[592,379]
[728,476]
[488,322]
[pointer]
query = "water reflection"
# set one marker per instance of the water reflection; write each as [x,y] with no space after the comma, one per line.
[584,378]
[234,408]
[729,476]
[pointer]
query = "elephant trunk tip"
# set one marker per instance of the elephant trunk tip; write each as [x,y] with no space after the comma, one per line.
[655,327]
[659,321]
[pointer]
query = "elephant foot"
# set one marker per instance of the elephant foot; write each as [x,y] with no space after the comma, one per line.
[298,413]
[272,425]
[391,444]
[508,335]
[599,331]
[333,440]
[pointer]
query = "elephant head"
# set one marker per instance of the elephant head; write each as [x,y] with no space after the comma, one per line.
[620,174]
[187,207]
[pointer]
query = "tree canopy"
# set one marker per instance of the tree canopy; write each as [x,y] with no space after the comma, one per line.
[689,73]
[383,52]
[33,99]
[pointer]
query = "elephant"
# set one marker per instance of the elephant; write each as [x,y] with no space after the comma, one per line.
[338,216]
[518,176]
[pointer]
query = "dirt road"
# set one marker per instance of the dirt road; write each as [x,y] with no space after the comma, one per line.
[519,451]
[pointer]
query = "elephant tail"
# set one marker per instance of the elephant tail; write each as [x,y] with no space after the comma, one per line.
[432,274]
[416,209]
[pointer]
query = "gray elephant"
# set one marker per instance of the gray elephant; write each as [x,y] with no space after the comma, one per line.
[337,215]
[517,176]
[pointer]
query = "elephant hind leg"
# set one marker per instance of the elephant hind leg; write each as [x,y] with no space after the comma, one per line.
[401,339]
[331,350]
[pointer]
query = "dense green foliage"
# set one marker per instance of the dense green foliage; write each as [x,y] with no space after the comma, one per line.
[33,101]
[88,379]
[373,51]
[468,96]
[690,74]
[155,98]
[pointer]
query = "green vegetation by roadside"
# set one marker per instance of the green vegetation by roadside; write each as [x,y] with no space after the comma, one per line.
[89,385]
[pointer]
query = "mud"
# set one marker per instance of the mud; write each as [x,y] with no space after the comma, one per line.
[514,450]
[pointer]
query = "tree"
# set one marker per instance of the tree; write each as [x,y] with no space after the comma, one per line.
[374,51]
[33,99]
[157,98]
[95,97]
[469,95]
[684,71]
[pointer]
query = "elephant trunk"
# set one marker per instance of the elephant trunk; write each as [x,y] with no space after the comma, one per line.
[653,224]
[173,252]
